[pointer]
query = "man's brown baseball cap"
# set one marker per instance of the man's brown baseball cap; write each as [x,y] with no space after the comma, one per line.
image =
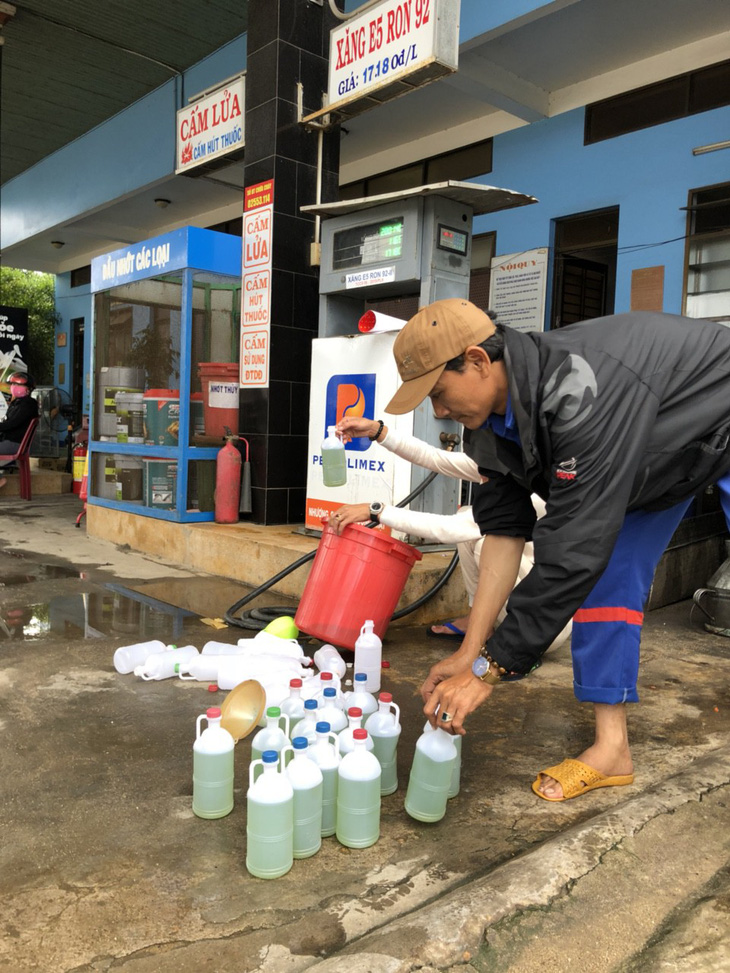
[436,334]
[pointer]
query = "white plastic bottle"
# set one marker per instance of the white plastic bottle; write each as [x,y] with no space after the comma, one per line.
[308,783]
[293,705]
[328,659]
[455,784]
[128,657]
[161,665]
[334,462]
[229,670]
[307,726]
[325,754]
[270,819]
[272,737]
[326,680]
[361,697]
[346,740]
[385,729]
[358,796]
[369,656]
[331,712]
[212,767]
[265,643]
[430,779]
[220,648]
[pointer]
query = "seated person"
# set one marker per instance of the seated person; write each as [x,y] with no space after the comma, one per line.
[21,411]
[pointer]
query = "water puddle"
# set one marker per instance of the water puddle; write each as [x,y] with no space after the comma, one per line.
[114,611]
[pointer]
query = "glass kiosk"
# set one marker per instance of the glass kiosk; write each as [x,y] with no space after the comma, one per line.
[165,374]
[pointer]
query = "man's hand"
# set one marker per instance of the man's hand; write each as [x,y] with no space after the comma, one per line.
[351,513]
[458,696]
[456,663]
[351,427]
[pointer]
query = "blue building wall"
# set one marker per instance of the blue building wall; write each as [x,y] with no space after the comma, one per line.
[72,303]
[647,174]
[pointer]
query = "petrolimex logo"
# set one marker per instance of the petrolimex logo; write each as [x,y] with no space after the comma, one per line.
[350,395]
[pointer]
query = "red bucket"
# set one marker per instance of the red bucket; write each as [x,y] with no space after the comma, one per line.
[355,576]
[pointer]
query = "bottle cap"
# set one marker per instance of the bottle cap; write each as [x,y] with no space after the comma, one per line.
[386,697]
[270,756]
[213,688]
[300,743]
[361,677]
[354,711]
[323,727]
[360,734]
[385,665]
[295,683]
[329,692]
[273,711]
[213,713]
[324,676]
[310,704]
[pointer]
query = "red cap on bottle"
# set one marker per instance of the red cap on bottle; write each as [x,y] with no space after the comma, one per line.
[295,683]
[386,697]
[213,713]
[325,675]
[360,734]
[354,711]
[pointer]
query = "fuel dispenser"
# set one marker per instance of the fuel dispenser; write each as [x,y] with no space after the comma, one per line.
[416,242]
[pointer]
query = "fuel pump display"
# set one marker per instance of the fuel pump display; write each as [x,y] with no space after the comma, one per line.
[371,244]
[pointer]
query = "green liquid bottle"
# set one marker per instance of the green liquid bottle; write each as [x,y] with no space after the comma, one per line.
[308,784]
[270,820]
[325,754]
[358,796]
[272,736]
[212,768]
[430,779]
[385,729]
[334,461]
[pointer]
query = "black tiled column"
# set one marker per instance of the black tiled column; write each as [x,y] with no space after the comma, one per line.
[288,41]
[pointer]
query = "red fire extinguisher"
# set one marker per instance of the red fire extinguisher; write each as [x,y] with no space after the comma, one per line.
[227,483]
[79,458]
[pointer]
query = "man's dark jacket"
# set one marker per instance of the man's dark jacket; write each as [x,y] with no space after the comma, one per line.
[17,418]
[620,413]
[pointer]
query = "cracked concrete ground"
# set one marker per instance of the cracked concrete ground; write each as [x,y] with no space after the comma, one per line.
[103,866]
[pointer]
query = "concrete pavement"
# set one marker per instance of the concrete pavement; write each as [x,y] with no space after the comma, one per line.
[103,866]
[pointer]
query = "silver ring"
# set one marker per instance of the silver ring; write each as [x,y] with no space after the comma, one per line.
[446,717]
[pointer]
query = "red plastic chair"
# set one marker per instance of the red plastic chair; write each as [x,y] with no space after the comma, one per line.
[22,458]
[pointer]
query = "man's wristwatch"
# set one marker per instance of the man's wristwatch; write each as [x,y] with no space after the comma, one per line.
[485,668]
[376,509]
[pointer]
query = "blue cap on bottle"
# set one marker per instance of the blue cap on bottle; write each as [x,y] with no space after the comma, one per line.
[329,692]
[310,704]
[361,676]
[323,727]
[300,743]
[269,756]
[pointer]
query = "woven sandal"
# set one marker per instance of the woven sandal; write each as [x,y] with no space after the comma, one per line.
[576,778]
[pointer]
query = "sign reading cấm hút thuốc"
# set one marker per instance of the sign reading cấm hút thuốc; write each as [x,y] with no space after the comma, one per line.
[211,126]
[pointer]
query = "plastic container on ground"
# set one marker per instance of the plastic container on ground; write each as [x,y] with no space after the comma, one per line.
[385,729]
[219,382]
[110,380]
[164,665]
[358,795]
[130,410]
[162,417]
[307,725]
[128,657]
[308,784]
[374,567]
[273,736]
[293,705]
[269,819]
[325,754]
[334,460]
[212,767]
[369,656]
[455,784]
[359,696]
[430,777]
[346,738]
[331,712]
[328,659]
[315,687]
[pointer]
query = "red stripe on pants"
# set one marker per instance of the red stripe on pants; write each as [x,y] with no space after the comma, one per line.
[607,614]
